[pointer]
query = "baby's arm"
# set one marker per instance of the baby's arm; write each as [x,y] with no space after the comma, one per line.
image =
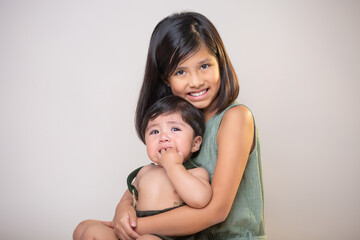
[193,185]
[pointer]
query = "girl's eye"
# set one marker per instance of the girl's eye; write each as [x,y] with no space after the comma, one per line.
[175,129]
[180,72]
[204,66]
[154,132]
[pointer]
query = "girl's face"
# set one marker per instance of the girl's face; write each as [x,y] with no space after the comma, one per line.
[170,131]
[197,79]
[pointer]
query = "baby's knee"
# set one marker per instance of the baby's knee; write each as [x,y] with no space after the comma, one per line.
[97,231]
[80,228]
[148,237]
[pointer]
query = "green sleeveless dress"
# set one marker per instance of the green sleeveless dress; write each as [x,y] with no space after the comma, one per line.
[246,218]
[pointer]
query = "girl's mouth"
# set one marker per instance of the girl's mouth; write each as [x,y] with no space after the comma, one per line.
[197,94]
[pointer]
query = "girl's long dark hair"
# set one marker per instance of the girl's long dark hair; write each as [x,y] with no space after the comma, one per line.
[173,39]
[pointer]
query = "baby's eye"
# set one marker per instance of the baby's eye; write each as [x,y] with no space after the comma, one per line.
[180,72]
[154,132]
[175,129]
[204,66]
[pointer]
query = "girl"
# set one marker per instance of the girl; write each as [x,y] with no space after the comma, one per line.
[187,58]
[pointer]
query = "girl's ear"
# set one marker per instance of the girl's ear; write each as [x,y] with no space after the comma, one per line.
[196,143]
[167,83]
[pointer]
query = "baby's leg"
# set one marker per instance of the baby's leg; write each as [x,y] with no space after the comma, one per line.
[148,237]
[81,227]
[93,229]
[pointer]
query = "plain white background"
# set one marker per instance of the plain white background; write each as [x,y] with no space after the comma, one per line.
[70,73]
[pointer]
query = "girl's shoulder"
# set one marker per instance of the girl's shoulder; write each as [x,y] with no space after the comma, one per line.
[234,109]
[236,118]
[234,115]
[238,113]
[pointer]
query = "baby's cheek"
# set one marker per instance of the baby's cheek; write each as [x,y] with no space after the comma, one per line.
[150,154]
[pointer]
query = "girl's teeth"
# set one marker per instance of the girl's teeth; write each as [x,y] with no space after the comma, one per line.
[198,94]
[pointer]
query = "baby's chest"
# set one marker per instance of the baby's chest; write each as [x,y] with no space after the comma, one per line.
[155,181]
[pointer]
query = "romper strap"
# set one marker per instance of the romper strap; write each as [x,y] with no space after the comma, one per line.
[130,179]
[188,165]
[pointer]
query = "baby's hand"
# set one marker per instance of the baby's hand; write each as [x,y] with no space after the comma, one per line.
[170,156]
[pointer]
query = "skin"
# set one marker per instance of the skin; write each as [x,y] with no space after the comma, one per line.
[168,139]
[234,138]
[197,79]
[170,131]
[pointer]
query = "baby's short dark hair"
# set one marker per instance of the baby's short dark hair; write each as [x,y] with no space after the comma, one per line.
[173,104]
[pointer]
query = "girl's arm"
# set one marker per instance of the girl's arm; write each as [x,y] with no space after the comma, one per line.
[234,138]
[193,185]
[125,218]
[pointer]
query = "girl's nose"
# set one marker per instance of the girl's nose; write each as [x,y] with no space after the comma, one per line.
[196,80]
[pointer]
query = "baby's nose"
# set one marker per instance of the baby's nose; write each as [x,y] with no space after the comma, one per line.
[164,137]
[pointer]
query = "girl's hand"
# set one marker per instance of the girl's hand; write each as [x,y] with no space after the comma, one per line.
[170,157]
[124,221]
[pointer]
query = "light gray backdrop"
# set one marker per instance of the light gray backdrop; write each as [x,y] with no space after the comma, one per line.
[70,72]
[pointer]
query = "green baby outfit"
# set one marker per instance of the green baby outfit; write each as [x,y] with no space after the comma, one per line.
[134,192]
[246,218]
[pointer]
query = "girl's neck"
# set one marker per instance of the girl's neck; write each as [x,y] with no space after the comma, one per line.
[209,114]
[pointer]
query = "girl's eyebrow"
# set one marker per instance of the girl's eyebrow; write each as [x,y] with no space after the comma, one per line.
[205,60]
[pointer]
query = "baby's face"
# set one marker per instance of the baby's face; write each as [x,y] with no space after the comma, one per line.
[170,131]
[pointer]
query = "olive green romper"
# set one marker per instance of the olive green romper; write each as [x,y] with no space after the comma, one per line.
[246,218]
[134,192]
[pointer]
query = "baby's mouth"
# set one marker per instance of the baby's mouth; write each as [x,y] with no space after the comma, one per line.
[164,149]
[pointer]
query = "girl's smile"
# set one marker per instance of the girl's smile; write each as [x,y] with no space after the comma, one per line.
[198,94]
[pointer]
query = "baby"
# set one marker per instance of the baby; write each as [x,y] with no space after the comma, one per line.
[172,131]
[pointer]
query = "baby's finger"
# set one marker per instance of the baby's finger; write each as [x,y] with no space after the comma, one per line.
[108,223]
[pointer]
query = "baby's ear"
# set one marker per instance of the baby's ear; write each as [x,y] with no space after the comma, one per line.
[196,143]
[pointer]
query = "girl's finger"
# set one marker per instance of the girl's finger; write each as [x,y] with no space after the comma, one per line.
[132,219]
[129,231]
[124,236]
[124,229]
